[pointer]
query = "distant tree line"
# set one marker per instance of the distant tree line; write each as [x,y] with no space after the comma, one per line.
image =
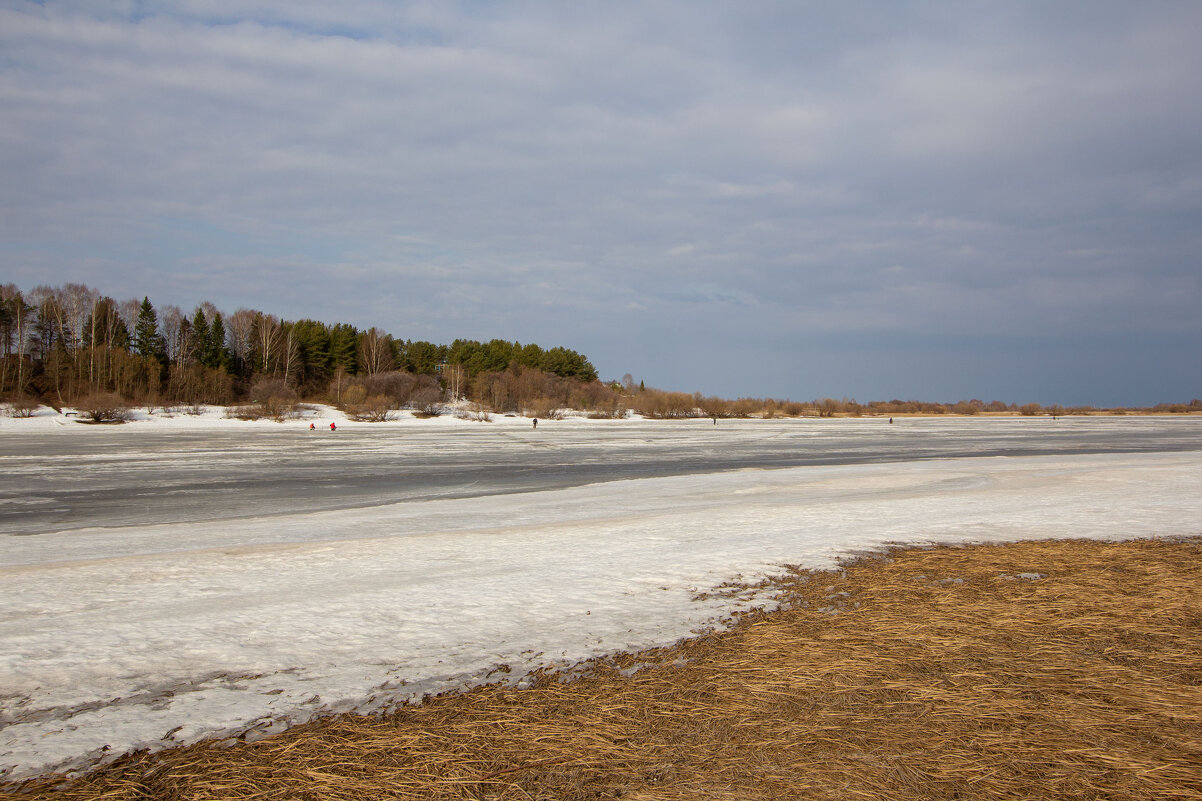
[60,344]
[667,405]
[71,345]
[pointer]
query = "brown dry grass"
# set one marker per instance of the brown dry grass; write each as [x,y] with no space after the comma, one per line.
[937,676]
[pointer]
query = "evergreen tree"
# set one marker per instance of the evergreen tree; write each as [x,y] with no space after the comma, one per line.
[200,337]
[147,342]
[344,348]
[313,346]
[216,355]
[422,357]
[104,326]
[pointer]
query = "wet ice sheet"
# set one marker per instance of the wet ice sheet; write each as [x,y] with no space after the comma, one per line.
[61,475]
[147,636]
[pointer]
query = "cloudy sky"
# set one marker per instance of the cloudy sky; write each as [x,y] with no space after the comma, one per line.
[879,200]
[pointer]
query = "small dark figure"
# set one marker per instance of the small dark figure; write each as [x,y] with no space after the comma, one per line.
[890,421]
[333,427]
[536,422]
[312,427]
[715,419]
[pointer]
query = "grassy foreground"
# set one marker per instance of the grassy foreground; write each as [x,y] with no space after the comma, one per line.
[930,674]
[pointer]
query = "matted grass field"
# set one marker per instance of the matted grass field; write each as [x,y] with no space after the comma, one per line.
[1042,670]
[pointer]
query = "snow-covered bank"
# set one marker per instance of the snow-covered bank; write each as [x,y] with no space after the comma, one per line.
[193,418]
[155,635]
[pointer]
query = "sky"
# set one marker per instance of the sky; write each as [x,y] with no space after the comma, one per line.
[875,200]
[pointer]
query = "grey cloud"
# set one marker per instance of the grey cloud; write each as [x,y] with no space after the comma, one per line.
[605,175]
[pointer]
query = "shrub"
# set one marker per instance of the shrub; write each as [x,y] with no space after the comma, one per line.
[103,408]
[251,411]
[474,412]
[23,406]
[546,408]
[665,405]
[614,412]
[375,409]
[793,408]
[277,400]
[426,401]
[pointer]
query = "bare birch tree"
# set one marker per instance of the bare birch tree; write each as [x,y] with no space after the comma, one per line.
[375,351]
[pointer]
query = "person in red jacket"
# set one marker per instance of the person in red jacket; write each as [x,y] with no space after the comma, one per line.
[332,427]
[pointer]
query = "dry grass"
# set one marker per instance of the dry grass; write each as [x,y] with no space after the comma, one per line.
[939,675]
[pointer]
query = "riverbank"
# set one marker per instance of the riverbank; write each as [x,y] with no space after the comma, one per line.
[320,416]
[1057,669]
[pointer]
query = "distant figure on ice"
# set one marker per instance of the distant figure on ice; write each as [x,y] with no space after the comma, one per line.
[312,427]
[332,427]
[890,421]
[536,422]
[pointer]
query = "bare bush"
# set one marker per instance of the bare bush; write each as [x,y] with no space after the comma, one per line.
[546,408]
[793,408]
[745,407]
[426,402]
[250,411]
[474,412]
[354,395]
[375,409]
[276,399]
[712,406]
[103,408]
[616,411]
[23,406]
[661,405]
[827,407]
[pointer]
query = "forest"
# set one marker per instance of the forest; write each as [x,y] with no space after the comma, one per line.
[70,345]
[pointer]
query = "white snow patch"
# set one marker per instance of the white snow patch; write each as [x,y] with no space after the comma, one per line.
[157,635]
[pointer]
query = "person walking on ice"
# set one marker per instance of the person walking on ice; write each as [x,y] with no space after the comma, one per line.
[333,427]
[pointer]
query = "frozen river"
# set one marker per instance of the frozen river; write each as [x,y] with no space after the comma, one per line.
[167,581]
[56,480]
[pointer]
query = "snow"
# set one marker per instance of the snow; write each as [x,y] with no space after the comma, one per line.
[148,636]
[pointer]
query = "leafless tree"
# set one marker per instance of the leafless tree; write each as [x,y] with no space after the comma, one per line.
[290,353]
[77,301]
[210,311]
[174,331]
[240,333]
[16,332]
[375,351]
[129,311]
[268,343]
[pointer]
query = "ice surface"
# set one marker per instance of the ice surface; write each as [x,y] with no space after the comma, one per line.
[146,636]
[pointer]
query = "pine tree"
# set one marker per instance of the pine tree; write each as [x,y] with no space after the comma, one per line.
[215,352]
[344,350]
[200,337]
[147,341]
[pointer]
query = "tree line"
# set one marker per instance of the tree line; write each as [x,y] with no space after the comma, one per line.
[66,344]
[63,343]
